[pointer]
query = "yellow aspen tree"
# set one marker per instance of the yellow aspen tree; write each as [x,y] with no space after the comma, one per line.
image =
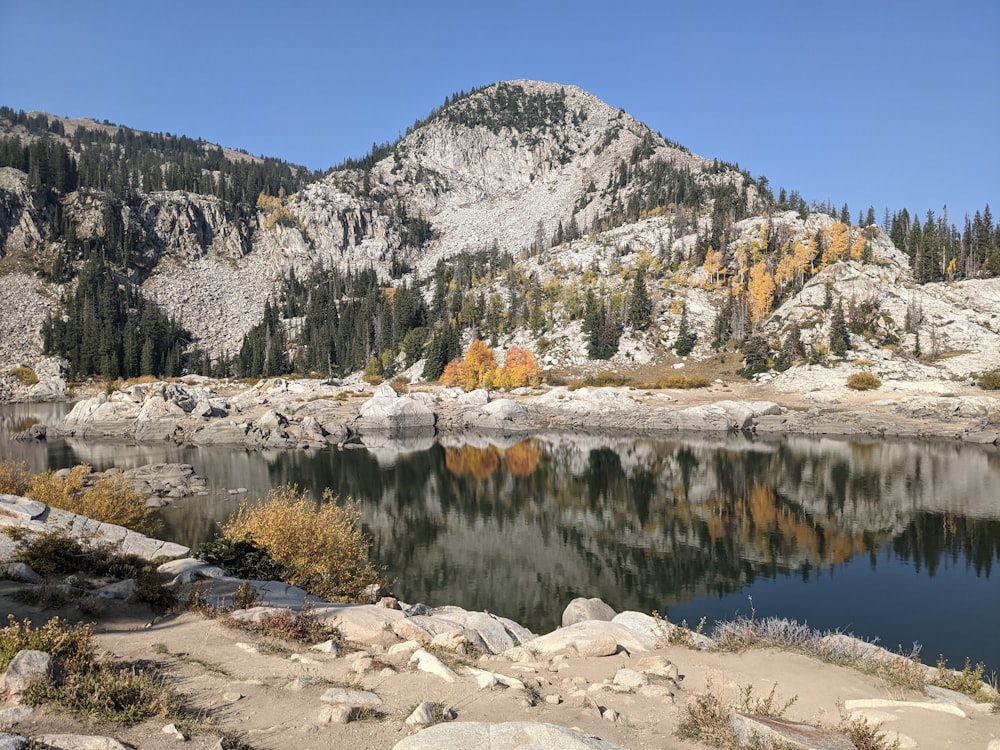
[742,264]
[761,291]
[952,268]
[482,363]
[713,264]
[784,272]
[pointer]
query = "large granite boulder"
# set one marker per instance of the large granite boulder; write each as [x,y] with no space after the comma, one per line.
[387,411]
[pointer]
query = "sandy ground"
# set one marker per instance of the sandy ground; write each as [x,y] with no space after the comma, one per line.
[227,689]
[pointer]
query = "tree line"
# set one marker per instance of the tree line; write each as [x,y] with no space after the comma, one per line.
[107,327]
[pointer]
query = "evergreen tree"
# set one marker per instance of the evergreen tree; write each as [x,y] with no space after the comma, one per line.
[840,339]
[640,305]
[686,338]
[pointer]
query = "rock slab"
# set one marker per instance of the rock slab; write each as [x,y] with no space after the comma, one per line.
[511,735]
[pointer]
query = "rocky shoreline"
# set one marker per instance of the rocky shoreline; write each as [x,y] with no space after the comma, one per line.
[413,676]
[284,413]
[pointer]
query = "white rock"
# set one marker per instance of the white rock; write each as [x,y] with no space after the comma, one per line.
[427,662]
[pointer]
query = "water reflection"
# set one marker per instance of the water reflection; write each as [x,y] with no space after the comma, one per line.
[828,530]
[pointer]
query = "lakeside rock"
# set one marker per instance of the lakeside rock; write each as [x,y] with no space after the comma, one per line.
[284,413]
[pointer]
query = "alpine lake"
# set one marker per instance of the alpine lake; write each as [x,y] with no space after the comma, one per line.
[890,540]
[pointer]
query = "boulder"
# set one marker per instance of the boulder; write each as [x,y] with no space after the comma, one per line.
[581,609]
[23,508]
[593,638]
[423,714]
[25,668]
[511,735]
[350,697]
[19,571]
[387,411]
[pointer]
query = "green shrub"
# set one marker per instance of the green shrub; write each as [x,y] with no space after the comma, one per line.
[240,558]
[120,693]
[863,381]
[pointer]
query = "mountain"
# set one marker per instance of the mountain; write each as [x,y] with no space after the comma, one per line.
[523,211]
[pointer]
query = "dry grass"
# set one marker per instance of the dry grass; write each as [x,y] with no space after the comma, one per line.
[990,381]
[900,669]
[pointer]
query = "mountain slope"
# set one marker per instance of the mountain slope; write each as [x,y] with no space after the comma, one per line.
[546,203]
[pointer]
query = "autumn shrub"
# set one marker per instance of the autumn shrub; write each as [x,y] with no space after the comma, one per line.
[864,381]
[70,646]
[26,375]
[320,546]
[109,499]
[990,381]
[14,478]
[520,368]
[479,369]
[85,685]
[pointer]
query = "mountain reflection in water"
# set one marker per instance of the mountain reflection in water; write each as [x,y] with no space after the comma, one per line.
[882,538]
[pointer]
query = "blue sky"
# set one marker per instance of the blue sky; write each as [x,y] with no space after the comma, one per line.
[892,103]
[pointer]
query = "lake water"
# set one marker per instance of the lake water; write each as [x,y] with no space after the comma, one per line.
[895,540]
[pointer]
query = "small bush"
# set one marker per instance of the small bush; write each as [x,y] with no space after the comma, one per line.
[969,680]
[240,558]
[110,499]
[706,719]
[70,646]
[303,626]
[14,478]
[53,553]
[990,381]
[863,381]
[320,547]
[26,375]
[605,378]
[400,384]
[122,693]
[865,736]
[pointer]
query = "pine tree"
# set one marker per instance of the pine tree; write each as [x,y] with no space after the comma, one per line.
[840,340]
[684,343]
[640,306]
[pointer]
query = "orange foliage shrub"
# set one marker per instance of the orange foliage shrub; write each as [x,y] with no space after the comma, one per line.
[479,369]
